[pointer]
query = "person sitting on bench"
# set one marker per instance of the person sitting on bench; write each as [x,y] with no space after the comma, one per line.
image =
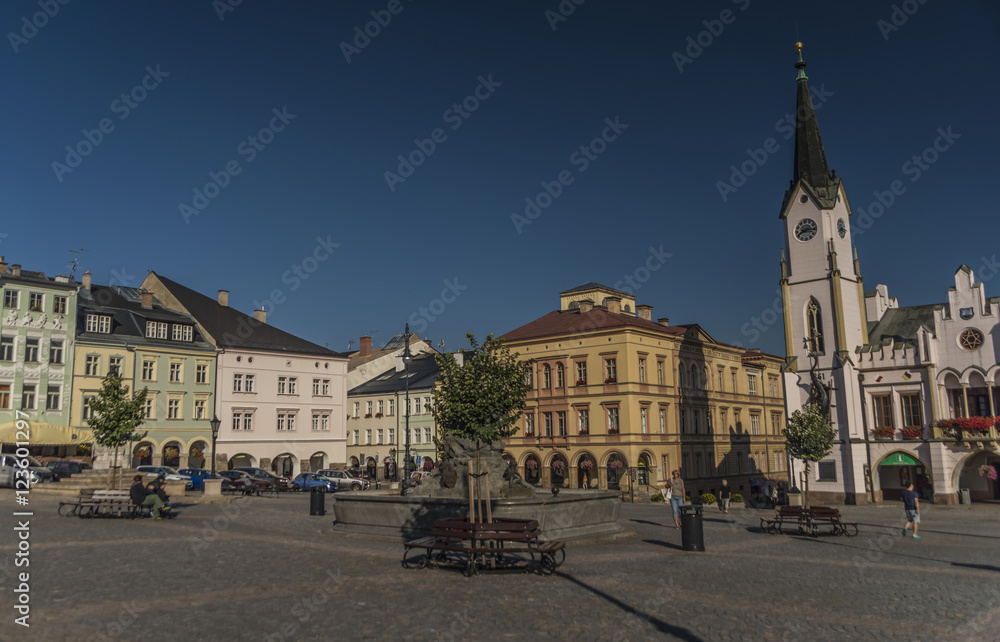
[143,496]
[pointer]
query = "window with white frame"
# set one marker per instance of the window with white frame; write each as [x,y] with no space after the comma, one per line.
[613,426]
[356,437]
[156,330]
[199,408]
[427,435]
[561,423]
[583,421]
[52,398]
[181,332]
[4,396]
[31,350]
[560,376]
[722,380]
[416,436]
[754,424]
[644,419]
[381,406]
[368,436]
[368,408]
[547,418]
[293,385]
[315,387]
[315,421]
[324,422]
[379,434]
[546,376]
[237,383]
[326,388]
[249,382]
[427,404]
[357,409]
[282,385]
[58,305]
[175,372]
[392,435]
[642,371]
[751,383]
[201,373]
[173,408]
[581,373]
[148,370]
[115,365]
[35,301]
[92,365]
[6,348]
[529,425]
[87,412]
[392,407]
[11,299]
[733,377]
[610,370]
[663,421]
[659,372]
[147,408]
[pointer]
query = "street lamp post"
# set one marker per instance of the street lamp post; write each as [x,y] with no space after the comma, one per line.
[214,423]
[406,379]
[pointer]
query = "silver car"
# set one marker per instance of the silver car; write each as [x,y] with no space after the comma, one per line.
[169,474]
[344,480]
[36,472]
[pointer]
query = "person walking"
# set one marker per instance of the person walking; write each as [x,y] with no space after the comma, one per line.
[911,504]
[725,495]
[676,486]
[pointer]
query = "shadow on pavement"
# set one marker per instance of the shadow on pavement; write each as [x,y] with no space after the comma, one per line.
[983,567]
[661,626]
[646,521]
[660,542]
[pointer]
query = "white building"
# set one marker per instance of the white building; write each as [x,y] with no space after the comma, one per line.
[893,373]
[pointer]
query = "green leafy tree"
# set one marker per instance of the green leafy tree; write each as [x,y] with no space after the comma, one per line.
[809,437]
[481,399]
[117,415]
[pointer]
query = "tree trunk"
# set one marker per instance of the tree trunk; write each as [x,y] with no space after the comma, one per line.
[805,497]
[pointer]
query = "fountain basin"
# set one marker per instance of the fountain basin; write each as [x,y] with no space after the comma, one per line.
[564,517]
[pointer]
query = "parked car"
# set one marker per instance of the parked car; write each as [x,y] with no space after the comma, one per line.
[37,473]
[344,480]
[240,480]
[198,476]
[308,481]
[169,474]
[281,483]
[62,468]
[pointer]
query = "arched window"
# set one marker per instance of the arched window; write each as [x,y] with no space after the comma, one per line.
[546,376]
[680,377]
[560,376]
[694,377]
[814,317]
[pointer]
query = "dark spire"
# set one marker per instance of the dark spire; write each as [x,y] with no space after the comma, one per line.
[810,165]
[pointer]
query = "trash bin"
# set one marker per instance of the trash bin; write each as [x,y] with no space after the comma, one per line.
[317,501]
[795,499]
[692,535]
[965,496]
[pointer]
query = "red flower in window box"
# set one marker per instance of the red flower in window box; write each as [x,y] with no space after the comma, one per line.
[972,424]
[612,431]
[610,380]
[912,433]
[581,382]
[884,433]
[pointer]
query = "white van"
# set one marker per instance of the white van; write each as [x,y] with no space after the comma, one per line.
[8,464]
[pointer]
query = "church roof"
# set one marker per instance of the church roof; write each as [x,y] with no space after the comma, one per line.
[810,167]
[559,322]
[900,325]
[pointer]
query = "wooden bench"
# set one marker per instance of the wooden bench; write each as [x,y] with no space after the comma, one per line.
[820,516]
[482,545]
[92,502]
[808,521]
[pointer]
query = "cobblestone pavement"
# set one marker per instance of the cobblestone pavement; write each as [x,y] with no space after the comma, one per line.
[263,569]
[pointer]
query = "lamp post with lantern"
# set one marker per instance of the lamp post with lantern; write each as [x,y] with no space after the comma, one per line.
[214,423]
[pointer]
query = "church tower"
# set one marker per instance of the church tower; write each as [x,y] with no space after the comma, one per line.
[823,299]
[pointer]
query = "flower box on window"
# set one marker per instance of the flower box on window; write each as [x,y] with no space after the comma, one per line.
[970,424]
[586,464]
[368,416]
[378,415]
[610,380]
[912,433]
[612,431]
[884,433]
[581,382]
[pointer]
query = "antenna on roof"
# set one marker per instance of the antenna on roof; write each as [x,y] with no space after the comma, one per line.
[441,346]
[75,263]
[349,344]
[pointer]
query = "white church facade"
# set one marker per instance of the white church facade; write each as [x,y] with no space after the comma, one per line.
[912,391]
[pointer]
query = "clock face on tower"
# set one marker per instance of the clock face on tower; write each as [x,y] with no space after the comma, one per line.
[841,228]
[806,229]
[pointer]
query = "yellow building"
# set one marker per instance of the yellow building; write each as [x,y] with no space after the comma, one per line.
[615,393]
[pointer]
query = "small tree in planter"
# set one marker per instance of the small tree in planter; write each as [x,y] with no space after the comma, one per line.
[117,415]
[809,437]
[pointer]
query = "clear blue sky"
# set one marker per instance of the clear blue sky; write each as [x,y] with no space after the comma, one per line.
[213,83]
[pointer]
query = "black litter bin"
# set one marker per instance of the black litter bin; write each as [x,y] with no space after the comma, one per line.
[692,535]
[317,501]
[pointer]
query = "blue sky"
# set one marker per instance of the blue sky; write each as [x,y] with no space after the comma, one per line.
[289,144]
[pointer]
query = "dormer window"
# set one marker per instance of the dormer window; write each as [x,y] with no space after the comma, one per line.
[156,330]
[182,332]
[99,323]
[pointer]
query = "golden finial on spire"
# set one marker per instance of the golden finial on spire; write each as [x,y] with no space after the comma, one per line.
[798,46]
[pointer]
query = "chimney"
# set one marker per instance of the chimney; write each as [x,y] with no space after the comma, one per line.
[260,315]
[645,312]
[224,298]
[614,304]
[366,347]
[586,305]
[86,280]
[15,269]
[663,321]
[147,300]
[3,266]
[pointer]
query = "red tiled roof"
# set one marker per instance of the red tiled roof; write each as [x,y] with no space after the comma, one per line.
[560,322]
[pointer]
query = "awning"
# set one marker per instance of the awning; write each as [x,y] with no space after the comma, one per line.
[44,434]
[900,459]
